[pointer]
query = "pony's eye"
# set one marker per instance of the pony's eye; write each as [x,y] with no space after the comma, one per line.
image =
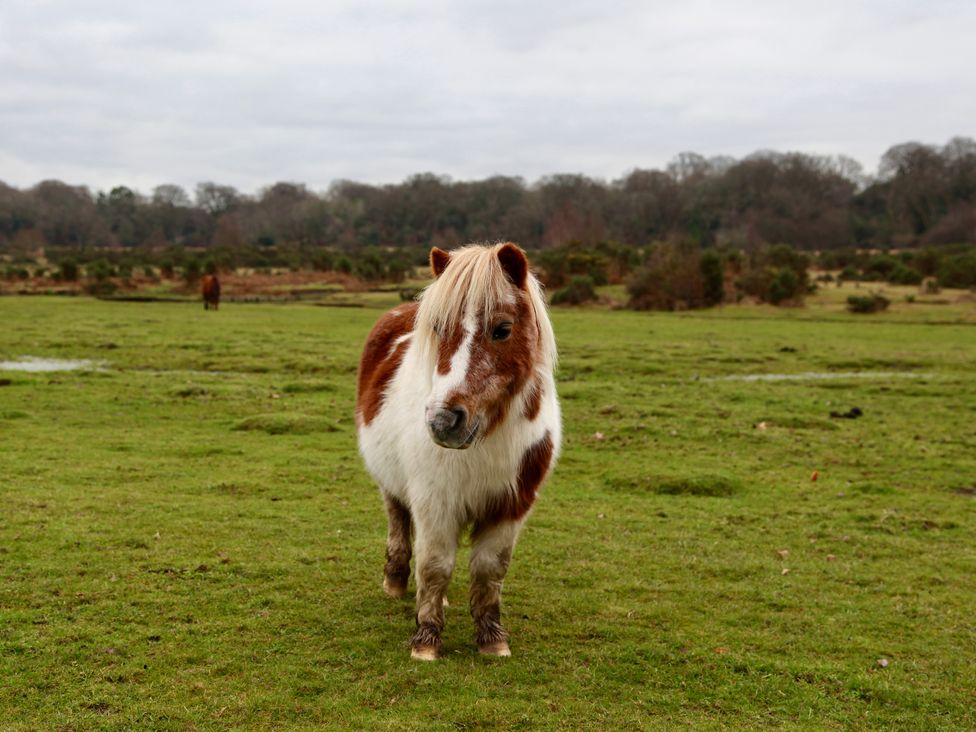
[501,332]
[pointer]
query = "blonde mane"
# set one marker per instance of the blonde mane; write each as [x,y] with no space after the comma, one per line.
[474,282]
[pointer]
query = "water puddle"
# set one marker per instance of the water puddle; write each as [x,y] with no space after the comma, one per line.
[816,375]
[34,364]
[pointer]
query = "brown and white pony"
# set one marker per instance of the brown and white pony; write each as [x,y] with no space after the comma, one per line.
[459,425]
[210,289]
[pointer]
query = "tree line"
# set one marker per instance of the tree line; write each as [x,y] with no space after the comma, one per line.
[921,195]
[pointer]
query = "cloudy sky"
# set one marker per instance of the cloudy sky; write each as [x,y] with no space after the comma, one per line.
[102,93]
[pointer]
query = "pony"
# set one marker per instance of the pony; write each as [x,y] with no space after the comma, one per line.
[210,288]
[459,425]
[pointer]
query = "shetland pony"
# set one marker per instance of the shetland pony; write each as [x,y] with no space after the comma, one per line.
[210,288]
[459,425]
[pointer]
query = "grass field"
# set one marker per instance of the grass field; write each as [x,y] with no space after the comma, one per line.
[188,539]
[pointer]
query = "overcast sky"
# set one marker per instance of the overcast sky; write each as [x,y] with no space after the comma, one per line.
[102,93]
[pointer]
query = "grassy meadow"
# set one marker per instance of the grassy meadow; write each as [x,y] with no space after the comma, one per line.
[188,539]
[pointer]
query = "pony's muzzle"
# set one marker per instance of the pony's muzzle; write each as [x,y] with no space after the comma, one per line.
[449,426]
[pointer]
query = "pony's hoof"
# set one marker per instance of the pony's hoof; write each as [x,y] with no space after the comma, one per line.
[424,653]
[393,589]
[498,648]
[444,601]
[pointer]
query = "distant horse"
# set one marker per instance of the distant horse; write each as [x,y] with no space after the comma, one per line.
[459,425]
[211,292]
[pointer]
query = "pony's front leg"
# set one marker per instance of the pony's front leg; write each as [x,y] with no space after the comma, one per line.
[491,551]
[436,549]
[397,569]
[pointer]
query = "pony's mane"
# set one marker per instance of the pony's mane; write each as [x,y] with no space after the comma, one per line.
[474,282]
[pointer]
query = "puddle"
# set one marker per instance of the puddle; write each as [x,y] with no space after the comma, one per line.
[815,375]
[34,364]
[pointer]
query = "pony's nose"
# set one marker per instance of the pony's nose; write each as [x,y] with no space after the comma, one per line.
[447,422]
[444,420]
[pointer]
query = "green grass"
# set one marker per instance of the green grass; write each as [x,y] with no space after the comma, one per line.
[162,568]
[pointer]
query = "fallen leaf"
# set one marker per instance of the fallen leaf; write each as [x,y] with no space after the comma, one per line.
[784,553]
[786,570]
[597,435]
[721,649]
[814,476]
[761,425]
[883,662]
[831,557]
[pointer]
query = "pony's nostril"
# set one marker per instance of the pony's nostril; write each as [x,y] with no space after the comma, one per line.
[460,417]
[445,421]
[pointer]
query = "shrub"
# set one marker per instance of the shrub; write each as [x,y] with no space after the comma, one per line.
[904,275]
[880,267]
[579,290]
[713,274]
[850,273]
[785,286]
[68,270]
[100,270]
[873,303]
[559,265]
[191,271]
[13,272]
[670,279]
[101,288]
[958,270]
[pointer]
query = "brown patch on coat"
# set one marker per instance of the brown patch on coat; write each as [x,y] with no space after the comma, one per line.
[447,346]
[497,370]
[533,401]
[396,572]
[381,359]
[514,505]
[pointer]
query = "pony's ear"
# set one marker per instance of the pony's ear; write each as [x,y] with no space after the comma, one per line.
[439,259]
[514,263]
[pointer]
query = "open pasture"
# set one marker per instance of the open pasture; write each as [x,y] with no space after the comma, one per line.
[188,539]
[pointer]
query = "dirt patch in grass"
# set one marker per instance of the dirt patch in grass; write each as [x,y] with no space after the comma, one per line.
[793,422]
[191,390]
[284,424]
[873,489]
[307,387]
[14,414]
[712,485]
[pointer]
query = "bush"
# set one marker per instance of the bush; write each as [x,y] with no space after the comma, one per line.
[560,265]
[579,290]
[13,272]
[904,275]
[713,274]
[671,279]
[958,270]
[100,288]
[850,273]
[68,270]
[100,270]
[874,303]
[191,271]
[785,286]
